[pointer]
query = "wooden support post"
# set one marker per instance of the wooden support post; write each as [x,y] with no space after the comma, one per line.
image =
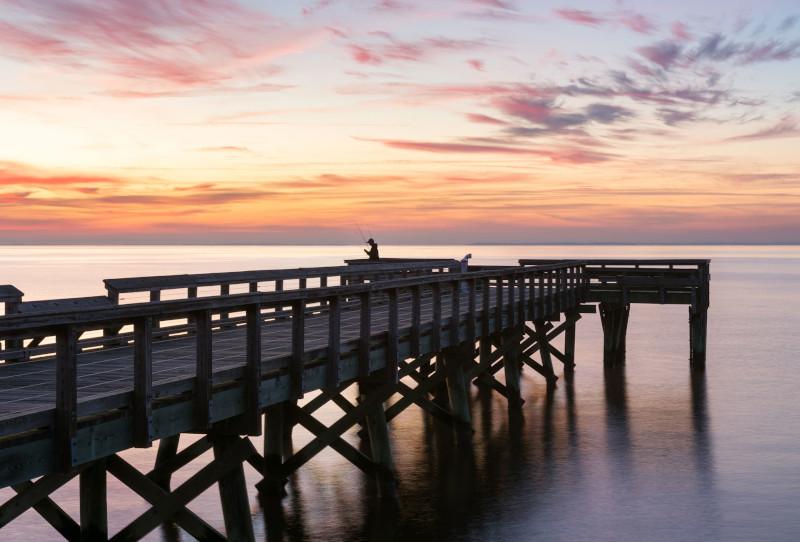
[614,318]
[66,419]
[414,338]
[298,350]
[365,326]
[510,344]
[167,450]
[334,343]
[253,379]
[233,492]
[203,379]
[274,431]
[393,338]
[569,341]
[379,441]
[698,325]
[143,383]
[456,359]
[544,350]
[94,504]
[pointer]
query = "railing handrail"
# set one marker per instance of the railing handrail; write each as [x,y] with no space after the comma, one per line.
[166,282]
[622,261]
[92,318]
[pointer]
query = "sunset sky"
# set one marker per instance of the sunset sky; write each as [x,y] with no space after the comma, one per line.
[419,121]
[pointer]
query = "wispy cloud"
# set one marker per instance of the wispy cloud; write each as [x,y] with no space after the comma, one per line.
[788,126]
[174,46]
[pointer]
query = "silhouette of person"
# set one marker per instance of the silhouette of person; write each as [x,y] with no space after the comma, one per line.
[373,250]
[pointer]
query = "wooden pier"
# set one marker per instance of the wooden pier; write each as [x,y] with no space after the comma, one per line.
[235,355]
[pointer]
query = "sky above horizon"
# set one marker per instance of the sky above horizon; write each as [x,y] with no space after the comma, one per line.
[415,121]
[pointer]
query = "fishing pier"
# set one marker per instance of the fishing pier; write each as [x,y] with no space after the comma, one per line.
[230,356]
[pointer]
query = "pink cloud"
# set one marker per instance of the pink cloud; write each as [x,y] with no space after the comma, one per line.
[362,55]
[580,16]
[638,23]
[476,64]
[414,51]
[562,156]
[21,175]
[151,46]
[680,31]
[485,119]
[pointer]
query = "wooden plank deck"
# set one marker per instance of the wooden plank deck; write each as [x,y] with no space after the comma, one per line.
[30,386]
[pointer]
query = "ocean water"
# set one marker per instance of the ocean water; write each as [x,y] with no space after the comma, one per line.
[651,452]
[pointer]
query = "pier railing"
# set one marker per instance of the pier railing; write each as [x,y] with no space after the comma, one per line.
[509,297]
[275,280]
[681,281]
[189,286]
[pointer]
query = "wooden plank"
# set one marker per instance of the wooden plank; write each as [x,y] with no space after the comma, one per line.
[498,309]
[455,311]
[471,311]
[66,414]
[253,372]
[93,502]
[365,334]
[233,493]
[186,492]
[436,321]
[33,494]
[54,515]
[143,383]
[334,342]
[298,349]
[203,372]
[416,305]
[393,337]
[154,494]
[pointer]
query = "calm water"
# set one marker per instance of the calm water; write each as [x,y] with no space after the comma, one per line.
[651,453]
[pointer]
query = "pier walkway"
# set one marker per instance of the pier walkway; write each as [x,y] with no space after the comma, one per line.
[252,353]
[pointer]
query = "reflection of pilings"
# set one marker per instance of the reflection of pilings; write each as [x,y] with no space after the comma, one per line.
[614,318]
[698,326]
[617,427]
[702,440]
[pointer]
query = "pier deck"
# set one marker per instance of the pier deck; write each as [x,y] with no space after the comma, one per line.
[85,378]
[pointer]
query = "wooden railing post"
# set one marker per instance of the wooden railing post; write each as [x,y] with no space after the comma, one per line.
[485,310]
[436,331]
[393,337]
[298,349]
[143,383]
[455,312]
[512,312]
[334,343]
[498,309]
[253,369]
[66,415]
[365,300]
[203,377]
[415,321]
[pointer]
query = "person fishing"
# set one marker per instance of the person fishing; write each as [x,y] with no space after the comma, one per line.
[373,250]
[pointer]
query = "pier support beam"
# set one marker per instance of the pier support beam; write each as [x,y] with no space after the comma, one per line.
[274,447]
[456,359]
[379,441]
[93,505]
[569,341]
[167,450]
[233,492]
[511,347]
[698,324]
[614,318]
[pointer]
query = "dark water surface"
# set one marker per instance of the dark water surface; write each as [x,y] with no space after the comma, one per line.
[652,452]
